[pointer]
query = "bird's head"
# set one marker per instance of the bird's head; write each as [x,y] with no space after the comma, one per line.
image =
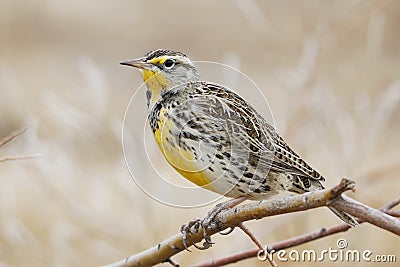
[164,70]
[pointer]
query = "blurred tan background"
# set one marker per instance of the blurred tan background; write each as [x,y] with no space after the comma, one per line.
[329,69]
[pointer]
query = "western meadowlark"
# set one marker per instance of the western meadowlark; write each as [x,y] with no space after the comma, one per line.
[215,138]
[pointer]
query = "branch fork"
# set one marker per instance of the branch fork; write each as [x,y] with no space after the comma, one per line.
[256,210]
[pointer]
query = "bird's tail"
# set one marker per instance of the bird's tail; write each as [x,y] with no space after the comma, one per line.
[350,220]
[313,185]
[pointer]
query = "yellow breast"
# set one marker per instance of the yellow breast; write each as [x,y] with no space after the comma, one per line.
[181,159]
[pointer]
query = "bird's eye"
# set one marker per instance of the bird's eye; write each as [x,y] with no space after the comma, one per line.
[169,63]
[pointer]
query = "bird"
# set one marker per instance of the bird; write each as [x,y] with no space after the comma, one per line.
[215,138]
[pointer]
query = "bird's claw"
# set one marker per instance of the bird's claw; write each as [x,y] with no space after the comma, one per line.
[207,244]
[230,230]
[186,229]
[208,224]
[193,227]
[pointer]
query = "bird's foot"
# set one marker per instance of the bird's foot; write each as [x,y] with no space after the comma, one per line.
[208,224]
[193,227]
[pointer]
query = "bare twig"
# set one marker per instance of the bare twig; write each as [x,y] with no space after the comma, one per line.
[11,136]
[368,214]
[173,264]
[257,210]
[391,205]
[259,244]
[233,217]
[19,157]
[292,242]
[393,213]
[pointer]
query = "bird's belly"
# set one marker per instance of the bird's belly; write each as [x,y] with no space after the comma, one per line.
[205,165]
[186,161]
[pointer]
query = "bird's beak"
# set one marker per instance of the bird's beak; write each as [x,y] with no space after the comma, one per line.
[139,63]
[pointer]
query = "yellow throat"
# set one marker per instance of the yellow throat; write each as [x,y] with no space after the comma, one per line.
[155,82]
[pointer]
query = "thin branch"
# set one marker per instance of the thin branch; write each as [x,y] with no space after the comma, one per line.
[368,214]
[292,242]
[11,136]
[257,210]
[19,157]
[233,217]
[391,205]
[393,213]
[259,244]
[8,139]
[173,264]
